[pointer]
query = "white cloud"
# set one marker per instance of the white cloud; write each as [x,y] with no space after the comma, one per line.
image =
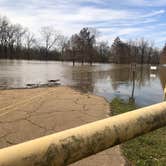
[154,13]
[149,3]
[69,16]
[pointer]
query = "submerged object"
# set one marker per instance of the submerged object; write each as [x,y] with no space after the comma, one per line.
[153,67]
[53,81]
[31,85]
[152,75]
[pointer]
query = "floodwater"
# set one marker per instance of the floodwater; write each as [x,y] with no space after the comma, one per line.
[108,80]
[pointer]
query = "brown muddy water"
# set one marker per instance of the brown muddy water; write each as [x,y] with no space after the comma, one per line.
[107,80]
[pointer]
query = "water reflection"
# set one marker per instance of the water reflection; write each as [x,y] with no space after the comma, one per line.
[83,79]
[145,87]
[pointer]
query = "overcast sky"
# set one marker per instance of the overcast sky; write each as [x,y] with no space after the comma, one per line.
[128,19]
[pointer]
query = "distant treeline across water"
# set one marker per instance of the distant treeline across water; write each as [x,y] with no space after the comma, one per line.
[17,42]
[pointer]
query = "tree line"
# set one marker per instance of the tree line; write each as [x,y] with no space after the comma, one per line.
[17,42]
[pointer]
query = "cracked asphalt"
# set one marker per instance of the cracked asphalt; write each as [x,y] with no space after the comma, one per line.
[26,114]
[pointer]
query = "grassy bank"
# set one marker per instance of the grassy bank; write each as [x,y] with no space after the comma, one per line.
[147,150]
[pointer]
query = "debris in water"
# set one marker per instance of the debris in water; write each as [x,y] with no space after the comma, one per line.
[32,85]
[52,81]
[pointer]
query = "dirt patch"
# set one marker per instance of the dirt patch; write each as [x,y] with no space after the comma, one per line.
[31,113]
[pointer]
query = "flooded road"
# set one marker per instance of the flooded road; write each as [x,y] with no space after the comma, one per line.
[108,80]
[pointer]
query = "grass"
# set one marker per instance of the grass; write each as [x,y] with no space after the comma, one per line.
[146,150]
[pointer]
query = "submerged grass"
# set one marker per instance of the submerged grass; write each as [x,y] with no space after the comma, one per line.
[146,150]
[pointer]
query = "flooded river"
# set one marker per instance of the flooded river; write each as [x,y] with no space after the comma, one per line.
[108,80]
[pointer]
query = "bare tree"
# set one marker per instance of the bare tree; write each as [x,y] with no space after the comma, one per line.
[20,31]
[143,44]
[11,39]
[4,23]
[50,38]
[155,57]
[74,47]
[62,45]
[30,41]
[150,52]
[104,51]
